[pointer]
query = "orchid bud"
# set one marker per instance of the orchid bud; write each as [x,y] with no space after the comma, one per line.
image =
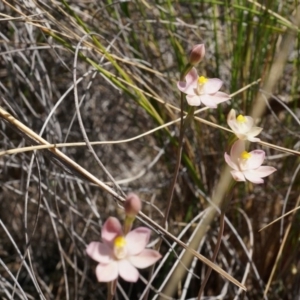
[132,205]
[196,55]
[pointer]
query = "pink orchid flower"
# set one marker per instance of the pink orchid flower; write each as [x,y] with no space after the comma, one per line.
[247,165]
[121,255]
[242,127]
[202,90]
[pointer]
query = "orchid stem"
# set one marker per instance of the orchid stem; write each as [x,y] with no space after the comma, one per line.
[111,291]
[183,125]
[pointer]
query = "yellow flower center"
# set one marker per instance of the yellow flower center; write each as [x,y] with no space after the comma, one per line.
[245,155]
[202,80]
[241,119]
[120,250]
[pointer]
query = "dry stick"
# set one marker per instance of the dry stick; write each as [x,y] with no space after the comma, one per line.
[83,172]
[78,144]
[64,158]
[61,145]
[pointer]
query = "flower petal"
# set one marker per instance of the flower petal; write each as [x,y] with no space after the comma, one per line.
[243,130]
[145,259]
[252,176]
[255,176]
[242,136]
[237,148]
[233,125]
[264,171]
[100,252]
[107,272]
[231,115]
[255,131]
[240,127]
[213,100]
[190,84]
[111,229]
[248,122]
[193,100]
[191,76]
[212,85]
[187,89]
[209,101]
[256,159]
[127,271]
[221,97]
[230,162]
[243,127]
[137,240]
[252,139]
[238,175]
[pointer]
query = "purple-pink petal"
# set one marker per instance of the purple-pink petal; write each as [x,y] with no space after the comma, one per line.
[209,100]
[190,84]
[127,271]
[193,100]
[191,76]
[256,159]
[107,272]
[252,176]
[230,162]
[213,100]
[111,229]
[145,259]
[137,240]
[187,89]
[236,150]
[238,175]
[264,171]
[100,252]
[221,97]
[212,85]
